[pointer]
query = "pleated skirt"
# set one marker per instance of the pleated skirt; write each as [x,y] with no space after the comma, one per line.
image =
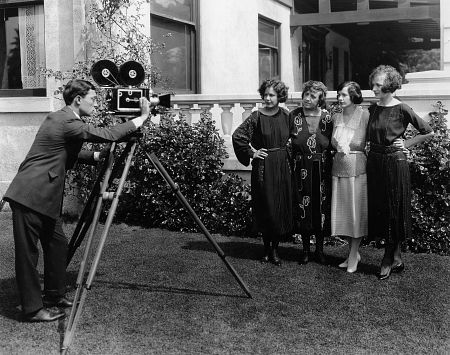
[389,195]
[349,208]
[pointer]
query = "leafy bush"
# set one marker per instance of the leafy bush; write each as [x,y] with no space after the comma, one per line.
[192,155]
[430,179]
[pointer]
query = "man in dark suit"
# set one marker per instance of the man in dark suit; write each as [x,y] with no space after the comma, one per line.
[36,193]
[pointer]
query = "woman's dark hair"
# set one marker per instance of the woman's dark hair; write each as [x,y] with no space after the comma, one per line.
[354,91]
[74,88]
[278,86]
[392,81]
[316,86]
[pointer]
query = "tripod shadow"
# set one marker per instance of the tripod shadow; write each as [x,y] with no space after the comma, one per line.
[120,285]
[163,289]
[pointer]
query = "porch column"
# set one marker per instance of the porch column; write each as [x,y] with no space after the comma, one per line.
[445,35]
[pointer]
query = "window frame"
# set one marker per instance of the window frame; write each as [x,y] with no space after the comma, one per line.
[34,92]
[194,44]
[271,48]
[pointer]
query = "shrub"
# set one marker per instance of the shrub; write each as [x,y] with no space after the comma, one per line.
[192,155]
[430,179]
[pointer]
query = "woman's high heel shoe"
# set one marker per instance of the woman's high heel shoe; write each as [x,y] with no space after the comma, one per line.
[275,259]
[345,263]
[385,276]
[398,268]
[352,269]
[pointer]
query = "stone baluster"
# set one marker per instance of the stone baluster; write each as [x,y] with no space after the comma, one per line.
[185,109]
[226,119]
[247,110]
[291,105]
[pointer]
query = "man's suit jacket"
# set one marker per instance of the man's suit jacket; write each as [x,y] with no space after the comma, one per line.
[39,183]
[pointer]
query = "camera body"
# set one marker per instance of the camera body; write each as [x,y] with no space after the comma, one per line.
[125,100]
[122,87]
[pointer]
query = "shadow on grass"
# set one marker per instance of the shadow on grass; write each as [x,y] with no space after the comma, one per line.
[289,253]
[120,285]
[164,289]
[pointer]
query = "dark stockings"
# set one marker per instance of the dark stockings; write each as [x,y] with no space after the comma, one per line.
[271,251]
[318,253]
[392,255]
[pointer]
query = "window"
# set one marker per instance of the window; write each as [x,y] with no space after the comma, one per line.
[269,38]
[174,23]
[315,61]
[22,49]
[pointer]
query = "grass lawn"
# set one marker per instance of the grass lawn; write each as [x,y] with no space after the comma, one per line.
[162,292]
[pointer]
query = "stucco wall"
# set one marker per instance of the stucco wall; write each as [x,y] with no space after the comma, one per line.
[229,44]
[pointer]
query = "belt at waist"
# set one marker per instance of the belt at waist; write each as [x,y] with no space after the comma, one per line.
[352,152]
[313,156]
[383,149]
[275,149]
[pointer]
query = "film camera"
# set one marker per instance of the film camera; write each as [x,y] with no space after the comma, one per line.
[122,85]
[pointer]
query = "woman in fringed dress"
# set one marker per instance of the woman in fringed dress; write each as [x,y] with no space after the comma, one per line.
[388,176]
[262,138]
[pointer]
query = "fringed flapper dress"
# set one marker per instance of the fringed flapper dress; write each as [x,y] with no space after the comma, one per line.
[312,170]
[271,178]
[349,179]
[388,176]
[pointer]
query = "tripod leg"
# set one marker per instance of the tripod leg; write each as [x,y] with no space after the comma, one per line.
[81,291]
[157,164]
[85,218]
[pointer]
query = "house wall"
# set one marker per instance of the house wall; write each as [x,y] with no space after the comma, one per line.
[229,44]
[228,66]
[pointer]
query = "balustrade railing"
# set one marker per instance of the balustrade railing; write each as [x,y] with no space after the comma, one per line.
[228,112]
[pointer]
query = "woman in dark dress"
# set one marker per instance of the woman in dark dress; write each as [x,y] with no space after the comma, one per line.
[388,177]
[262,137]
[312,168]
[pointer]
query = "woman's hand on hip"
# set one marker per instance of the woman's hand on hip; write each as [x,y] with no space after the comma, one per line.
[400,143]
[260,153]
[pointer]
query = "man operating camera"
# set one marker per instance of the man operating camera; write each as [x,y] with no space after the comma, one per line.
[36,193]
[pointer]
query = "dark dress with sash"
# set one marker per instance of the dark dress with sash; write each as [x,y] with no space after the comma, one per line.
[388,176]
[271,178]
[312,169]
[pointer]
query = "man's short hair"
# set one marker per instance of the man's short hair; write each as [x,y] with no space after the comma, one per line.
[76,87]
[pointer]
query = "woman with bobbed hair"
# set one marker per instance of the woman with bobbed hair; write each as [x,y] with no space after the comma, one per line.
[312,168]
[349,180]
[388,177]
[262,138]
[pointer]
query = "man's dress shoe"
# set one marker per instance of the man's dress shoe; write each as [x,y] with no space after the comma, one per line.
[60,302]
[45,315]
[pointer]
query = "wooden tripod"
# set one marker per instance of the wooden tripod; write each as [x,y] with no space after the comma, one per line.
[89,222]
